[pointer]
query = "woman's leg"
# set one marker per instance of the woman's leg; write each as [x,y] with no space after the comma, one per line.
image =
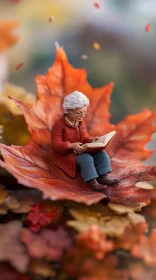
[86,163]
[103,167]
[102,162]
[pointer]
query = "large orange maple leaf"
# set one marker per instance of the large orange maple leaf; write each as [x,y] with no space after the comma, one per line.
[31,164]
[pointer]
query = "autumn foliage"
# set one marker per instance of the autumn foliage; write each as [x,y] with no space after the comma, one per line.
[59,228]
[31,164]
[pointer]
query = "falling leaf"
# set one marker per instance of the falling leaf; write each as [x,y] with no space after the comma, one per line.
[19,65]
[7,37]
[32,166]
[84,56]
[96,46]
[148,27]
[96,5]
[11,249]
[51,19]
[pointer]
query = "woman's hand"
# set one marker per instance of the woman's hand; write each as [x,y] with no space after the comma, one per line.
[95,139]
[77,146]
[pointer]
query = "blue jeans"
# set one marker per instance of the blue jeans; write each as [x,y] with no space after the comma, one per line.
[92,166]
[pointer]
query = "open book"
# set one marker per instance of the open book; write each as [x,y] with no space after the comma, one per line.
[99,144]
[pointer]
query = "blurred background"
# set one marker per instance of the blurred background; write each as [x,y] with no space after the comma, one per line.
[124,52]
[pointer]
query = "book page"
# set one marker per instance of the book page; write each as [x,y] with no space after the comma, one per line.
[93,145]
[106,138]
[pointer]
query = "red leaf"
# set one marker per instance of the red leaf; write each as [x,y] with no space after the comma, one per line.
[148,27]
[19,65]
[41,215]
[96,5]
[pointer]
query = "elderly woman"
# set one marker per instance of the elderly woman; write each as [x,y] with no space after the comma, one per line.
[67,136]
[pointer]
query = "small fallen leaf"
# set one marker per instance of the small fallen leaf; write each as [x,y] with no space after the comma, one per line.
[96,5]
[148,27]
[121,209]
[136,218]
[144,185]
[96,46]
[19,65]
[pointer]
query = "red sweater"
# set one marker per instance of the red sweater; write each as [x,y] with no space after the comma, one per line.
[62,134]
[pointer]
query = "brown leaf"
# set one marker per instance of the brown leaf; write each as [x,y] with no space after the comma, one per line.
[11,249]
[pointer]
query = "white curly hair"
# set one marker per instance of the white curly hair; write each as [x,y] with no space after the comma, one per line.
[74,100]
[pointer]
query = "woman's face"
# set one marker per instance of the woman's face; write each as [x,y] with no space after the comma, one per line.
[78,113]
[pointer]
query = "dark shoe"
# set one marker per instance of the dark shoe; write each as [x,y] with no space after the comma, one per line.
[96,186]
[104,179]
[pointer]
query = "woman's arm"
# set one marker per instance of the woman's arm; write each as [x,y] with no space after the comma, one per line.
[57,143]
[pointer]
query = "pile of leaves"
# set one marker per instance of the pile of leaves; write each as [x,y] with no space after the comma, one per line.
[56,227]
